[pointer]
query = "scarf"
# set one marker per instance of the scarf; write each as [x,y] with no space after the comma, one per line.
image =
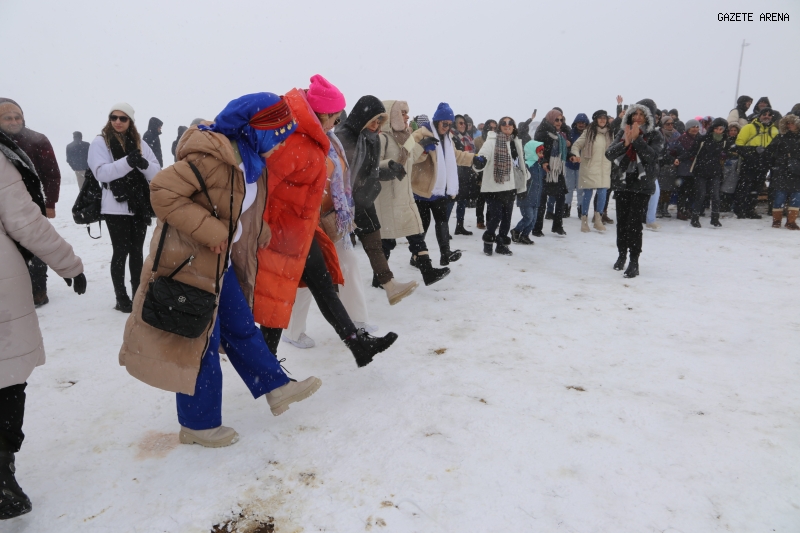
[341,191]
[446,169]
[257,122]
[588,147]
[502,159]
[558,154]
[136,185]
[364,160]
[466,141]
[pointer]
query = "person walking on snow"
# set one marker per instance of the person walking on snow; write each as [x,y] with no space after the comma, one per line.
[588,151]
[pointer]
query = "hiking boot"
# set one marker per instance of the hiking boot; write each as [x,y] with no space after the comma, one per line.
[396,291]
[218,437]
[294,391]
[480,225]
[537,233]
[13,501]
[430,275]
[364,346]
[559,231]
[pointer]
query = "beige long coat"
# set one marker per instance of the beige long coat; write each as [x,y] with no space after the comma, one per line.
[21,220]
[397,210]
[162,359]
[595,173]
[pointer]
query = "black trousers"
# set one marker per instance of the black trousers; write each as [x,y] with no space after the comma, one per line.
[747,188]
[127,242]
[558,213]
[438,209]
[38,271]
[12,411]
[416,244]
[630,206]
[479,203]
[319,282]
[701,186]
[499,208]
[686,194]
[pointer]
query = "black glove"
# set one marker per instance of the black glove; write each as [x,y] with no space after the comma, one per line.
[426,141]
[143,163]
[479,162]
[397,170]
[80,283]
[134,158]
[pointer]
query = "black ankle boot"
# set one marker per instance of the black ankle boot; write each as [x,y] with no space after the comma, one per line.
[430,275]
[460,230]
[449,257]
[696,221]
[715,220]
[13,502]
[375,282]
[620,264]
[633,268]
[364,346]
[515,235]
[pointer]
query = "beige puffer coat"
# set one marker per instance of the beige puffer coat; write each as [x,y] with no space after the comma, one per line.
[595,173]
[397,210]
[162,359]
[21,220]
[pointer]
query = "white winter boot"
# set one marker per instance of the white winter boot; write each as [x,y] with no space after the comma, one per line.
[294,391]
[585,224]
[397,291]
[598,222]
[218,437]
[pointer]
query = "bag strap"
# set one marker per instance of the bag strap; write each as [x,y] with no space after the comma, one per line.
[203,188]
[160,248]
[99,226]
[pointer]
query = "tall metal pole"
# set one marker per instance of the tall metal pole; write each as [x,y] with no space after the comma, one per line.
[739,77]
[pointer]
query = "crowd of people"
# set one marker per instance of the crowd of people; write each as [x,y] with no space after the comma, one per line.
[264,205]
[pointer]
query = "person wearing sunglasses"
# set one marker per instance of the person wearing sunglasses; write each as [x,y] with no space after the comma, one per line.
[555,138]
[435,179]
[468,185]
[504,176]
[753,140]
[124,166]
[635,150]
[480,203]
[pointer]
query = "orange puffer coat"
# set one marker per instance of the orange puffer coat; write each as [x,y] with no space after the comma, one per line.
[297,174]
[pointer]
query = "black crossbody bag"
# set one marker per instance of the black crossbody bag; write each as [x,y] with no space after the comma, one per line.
[177,307]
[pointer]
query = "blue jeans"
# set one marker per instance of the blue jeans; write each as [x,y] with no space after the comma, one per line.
[571,178]
[247,351]
[587,200]
[779,198]
[652,205]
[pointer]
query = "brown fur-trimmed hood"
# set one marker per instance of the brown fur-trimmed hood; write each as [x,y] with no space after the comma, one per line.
[783,126]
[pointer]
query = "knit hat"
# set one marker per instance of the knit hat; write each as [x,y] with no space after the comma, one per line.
[125,108]
[423,121]
[323,96]
[7,104]
[717,122]
[599,113]
[444,112]
[665,119]
[692,123]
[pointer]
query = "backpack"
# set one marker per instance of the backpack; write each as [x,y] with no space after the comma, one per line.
[86,209]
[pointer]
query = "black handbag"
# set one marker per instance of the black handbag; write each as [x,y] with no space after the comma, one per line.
[86,209]
[177,307]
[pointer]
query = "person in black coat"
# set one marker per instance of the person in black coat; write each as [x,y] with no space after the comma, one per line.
[761,103]
[709,153]
[77,155]
[678,124]
[784,156]
[181,131]
[551,130]
[152,140]
[636,150]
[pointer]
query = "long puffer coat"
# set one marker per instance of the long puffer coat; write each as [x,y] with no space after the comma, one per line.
[21,221]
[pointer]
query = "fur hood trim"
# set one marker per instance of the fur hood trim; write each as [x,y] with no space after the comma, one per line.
[783,127]
[649,120]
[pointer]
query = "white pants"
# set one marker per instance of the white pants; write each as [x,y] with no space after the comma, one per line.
[351,294]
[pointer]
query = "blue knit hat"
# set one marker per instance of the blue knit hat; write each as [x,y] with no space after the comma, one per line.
[444,112]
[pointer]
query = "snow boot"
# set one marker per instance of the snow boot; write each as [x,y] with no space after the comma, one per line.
[524,239]
[585,224]
[696,221]
[294,391]
[598,222]
[218,437]
[791,219]
[715,220]
[607,219]
[396,291]
[777,218]
[633,268]
[430,275]
[364,346]
[13,502]
[460,230]
[414,261]
[515,236]
[449,257]
[620,264]
[502,246]
[488,242]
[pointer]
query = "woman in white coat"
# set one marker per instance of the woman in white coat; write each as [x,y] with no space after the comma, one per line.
[124,165]
[24,232]
[595,172]
[504,176]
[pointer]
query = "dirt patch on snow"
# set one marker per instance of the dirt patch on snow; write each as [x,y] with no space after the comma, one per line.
[156,445]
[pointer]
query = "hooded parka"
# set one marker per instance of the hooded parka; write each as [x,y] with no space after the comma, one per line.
[637,176]
[784,156]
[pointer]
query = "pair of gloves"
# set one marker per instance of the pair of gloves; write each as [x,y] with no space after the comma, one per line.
[78,283]
[136,160]
[429,144]
[396,170]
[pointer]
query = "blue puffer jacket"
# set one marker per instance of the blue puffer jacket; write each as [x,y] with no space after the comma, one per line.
[575,134]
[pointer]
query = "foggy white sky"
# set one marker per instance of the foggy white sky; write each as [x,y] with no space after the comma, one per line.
[66,63]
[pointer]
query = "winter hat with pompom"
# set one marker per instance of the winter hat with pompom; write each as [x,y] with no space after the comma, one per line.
[324,97]
[125,108]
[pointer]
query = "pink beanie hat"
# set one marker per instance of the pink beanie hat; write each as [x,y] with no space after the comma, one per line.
[323,96]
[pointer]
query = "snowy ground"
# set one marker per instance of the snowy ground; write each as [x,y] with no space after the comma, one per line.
[541,392]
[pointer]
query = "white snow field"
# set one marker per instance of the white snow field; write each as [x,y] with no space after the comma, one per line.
[540,392]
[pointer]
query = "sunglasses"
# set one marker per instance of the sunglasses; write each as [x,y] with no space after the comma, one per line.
[114,118]
[492,128]
[445,123]
[669,123]
[559,120]
[506,123]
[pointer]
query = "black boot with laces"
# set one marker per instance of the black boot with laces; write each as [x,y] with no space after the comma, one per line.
[364,346]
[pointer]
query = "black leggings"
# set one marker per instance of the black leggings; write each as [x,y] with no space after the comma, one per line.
[320,283]
[127,241]
[630,207]
[437,208]
[12,411]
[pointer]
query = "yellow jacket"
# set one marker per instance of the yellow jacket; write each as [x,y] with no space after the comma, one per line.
[756,134]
